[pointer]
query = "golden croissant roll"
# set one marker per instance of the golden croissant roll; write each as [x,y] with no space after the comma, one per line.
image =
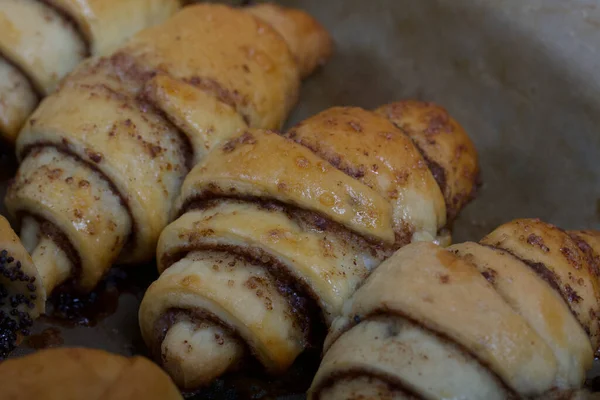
[22,297]
[80,373]
[104,156]
[43,40]
[275,231]
[513,316]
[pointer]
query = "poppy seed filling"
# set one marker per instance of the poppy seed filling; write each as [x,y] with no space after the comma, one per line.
[14,318]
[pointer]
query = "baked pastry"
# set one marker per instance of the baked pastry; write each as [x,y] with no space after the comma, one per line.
[513,316]
[104,156]
[276,231]
[22,298]
[43,40]
[80,373]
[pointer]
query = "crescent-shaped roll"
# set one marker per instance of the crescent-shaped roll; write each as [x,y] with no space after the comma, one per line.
[22,298]
[475,320]
[104,156]
[315,209]
[43,40]
[80,373]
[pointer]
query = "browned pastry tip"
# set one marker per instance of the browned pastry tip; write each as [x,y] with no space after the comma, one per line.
[307,39]
[79,373]
[448,150]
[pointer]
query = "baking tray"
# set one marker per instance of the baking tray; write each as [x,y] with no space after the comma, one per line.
[521,76]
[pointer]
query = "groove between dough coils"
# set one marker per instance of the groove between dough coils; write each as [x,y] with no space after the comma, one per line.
[546,354]
[312,211]
[167,102]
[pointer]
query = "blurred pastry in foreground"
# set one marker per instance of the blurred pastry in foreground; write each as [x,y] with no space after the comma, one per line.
[41,41]
[275,231]
[513,316]
[80,373]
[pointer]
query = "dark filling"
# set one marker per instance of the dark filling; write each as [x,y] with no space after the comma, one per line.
[386,313]
[69,308]
[13,321]
[72,22]
[64,149]
[302,300]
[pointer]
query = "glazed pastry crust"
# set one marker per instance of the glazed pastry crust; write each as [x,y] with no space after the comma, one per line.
[559,259]
[77,373]
[316,45]
[202,117]
[322,205]
[370,149]
[448,150]
[105,24]
[264,165]
[331,265]
[540,305]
